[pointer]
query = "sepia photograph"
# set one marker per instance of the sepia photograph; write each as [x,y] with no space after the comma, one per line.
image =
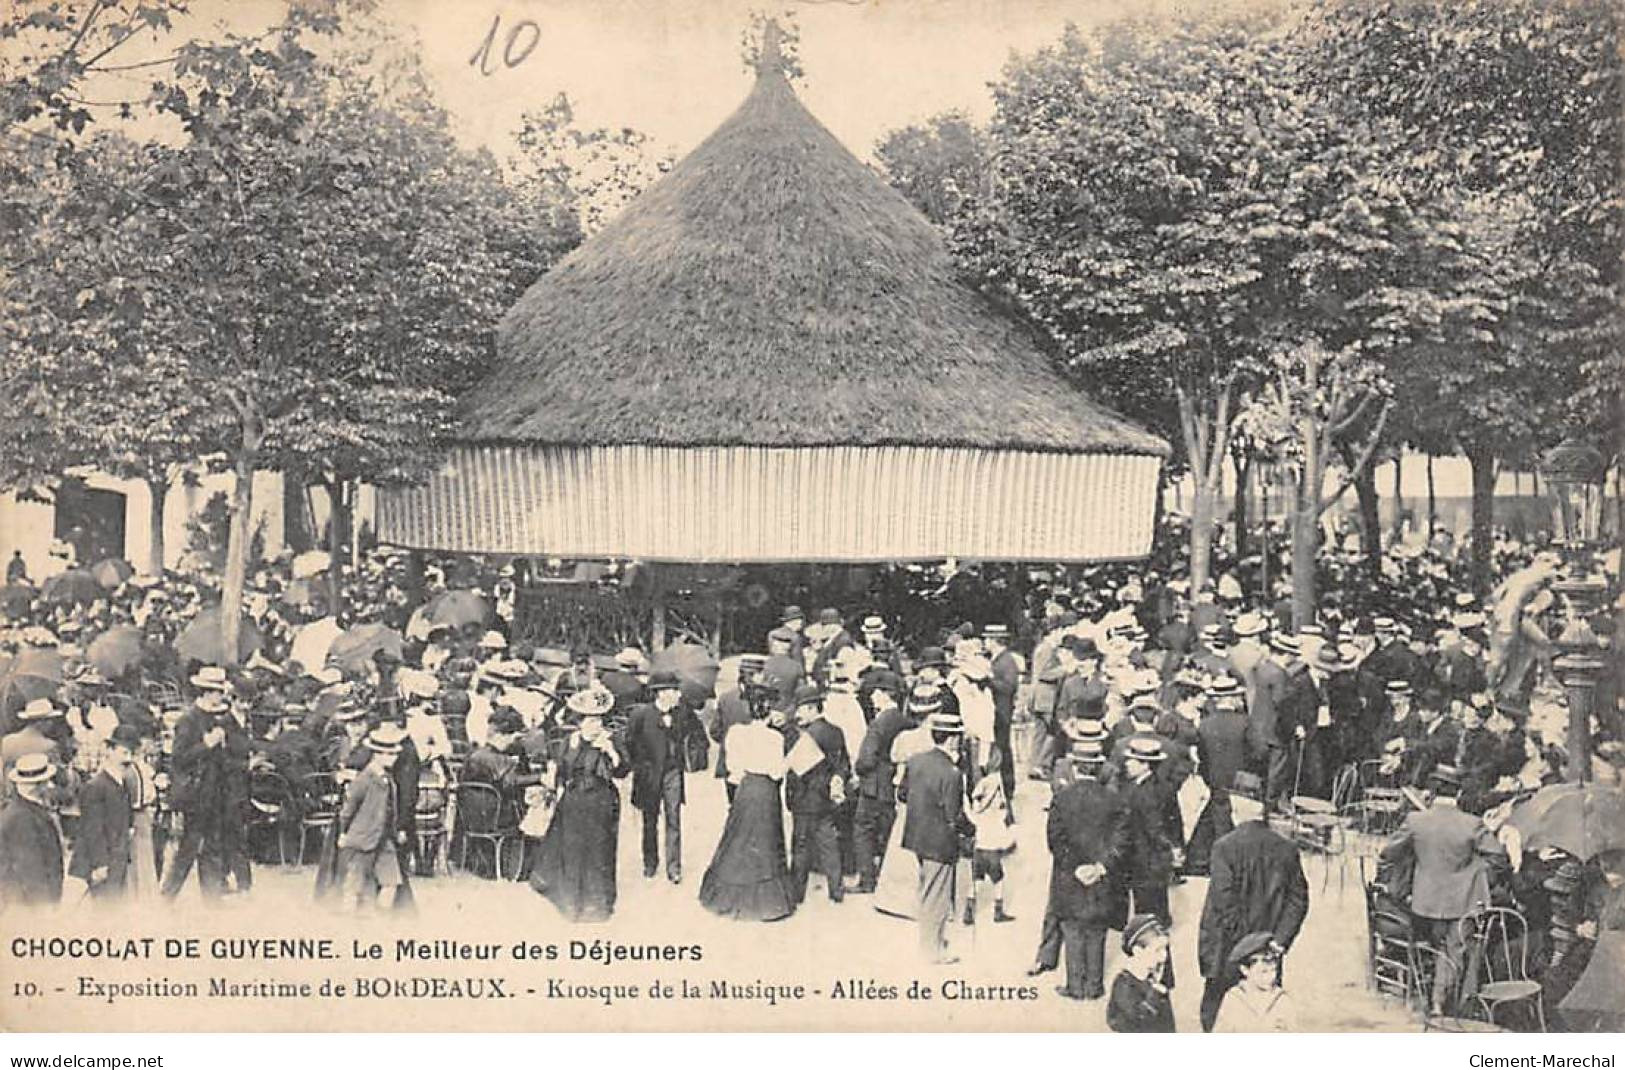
[688,516]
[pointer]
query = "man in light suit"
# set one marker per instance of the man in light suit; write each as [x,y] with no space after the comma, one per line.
[934,790]
[1452,854]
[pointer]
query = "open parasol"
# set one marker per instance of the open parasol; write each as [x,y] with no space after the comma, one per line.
[73,587]
[694,666]
[203,640]
[355,648]
[452,608]
[117,650]
[34,673]
[111,571]
[1581,819]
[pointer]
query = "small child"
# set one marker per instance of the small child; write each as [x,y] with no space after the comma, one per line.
[995,838]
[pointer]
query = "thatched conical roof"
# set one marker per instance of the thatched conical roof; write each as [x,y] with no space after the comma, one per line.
[771,290]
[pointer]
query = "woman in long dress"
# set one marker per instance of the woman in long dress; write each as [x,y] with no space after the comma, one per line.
[748,879]
[140,781]
[575,862]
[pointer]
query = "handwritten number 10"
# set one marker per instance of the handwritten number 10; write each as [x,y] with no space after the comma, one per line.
[521,42]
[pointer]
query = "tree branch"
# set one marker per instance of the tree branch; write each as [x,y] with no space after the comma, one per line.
[1361,461]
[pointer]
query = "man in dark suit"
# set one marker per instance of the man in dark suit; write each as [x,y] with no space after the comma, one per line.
[209,774]
[656,741]
[1394,659]
[30,838]
[625,680]
[101,845]
[813,795]
[733,708]
[1431,738]
[1223,748]
[1151,854]
[934,826]
[1452,855]
[877,799]
[1087,840]
[834,638]
[1256,885]
[1270,686]
[1005,677]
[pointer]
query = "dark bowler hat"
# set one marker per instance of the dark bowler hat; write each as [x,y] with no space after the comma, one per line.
[829,615]
[1249,784]
[932,657]
[664,681]
[808,694]
[126,736]
[791,612]
[1081,646]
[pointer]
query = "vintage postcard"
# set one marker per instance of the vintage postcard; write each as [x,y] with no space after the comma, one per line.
[860,515]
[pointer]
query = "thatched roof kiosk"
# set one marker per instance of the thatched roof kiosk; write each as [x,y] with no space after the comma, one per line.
[767,357]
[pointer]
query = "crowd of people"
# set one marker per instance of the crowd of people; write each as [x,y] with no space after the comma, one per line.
[1176,733]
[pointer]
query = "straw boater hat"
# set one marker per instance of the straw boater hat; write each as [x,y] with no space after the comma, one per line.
[874,626]
[1250,624]
[386,739]
[1383,625]
[1224,687]
[630,658]
[1145,750]
[925,701]
[1398,689]
[1330,659]
[39,709]
[945,721]
[1001,632]
[348,711]
[590,702]
[211,678]
[493,641]
[1087,750]
[32,769]
[1284,644]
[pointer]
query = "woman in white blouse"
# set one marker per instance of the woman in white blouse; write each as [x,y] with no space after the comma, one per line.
[749,878]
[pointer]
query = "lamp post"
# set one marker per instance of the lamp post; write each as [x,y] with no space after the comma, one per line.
[1574,473]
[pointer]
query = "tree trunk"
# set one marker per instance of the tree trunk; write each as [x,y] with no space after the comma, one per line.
[338,541]
[296,533]
[1242,463]
[1483,462]
[1201,533]
[1399,498]
[1305,544]
[157,494]
[1433,511]
[1365,491]
[237,541]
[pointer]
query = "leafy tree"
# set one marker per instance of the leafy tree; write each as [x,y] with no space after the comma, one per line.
[939,165]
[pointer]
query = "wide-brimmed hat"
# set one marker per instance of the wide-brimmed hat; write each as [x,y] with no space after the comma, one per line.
[211,678]
[590,702]
[873,626]
[1139,928]
[664,681]
[1251,946]
[32,769]
[1145,749]
[39,709]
